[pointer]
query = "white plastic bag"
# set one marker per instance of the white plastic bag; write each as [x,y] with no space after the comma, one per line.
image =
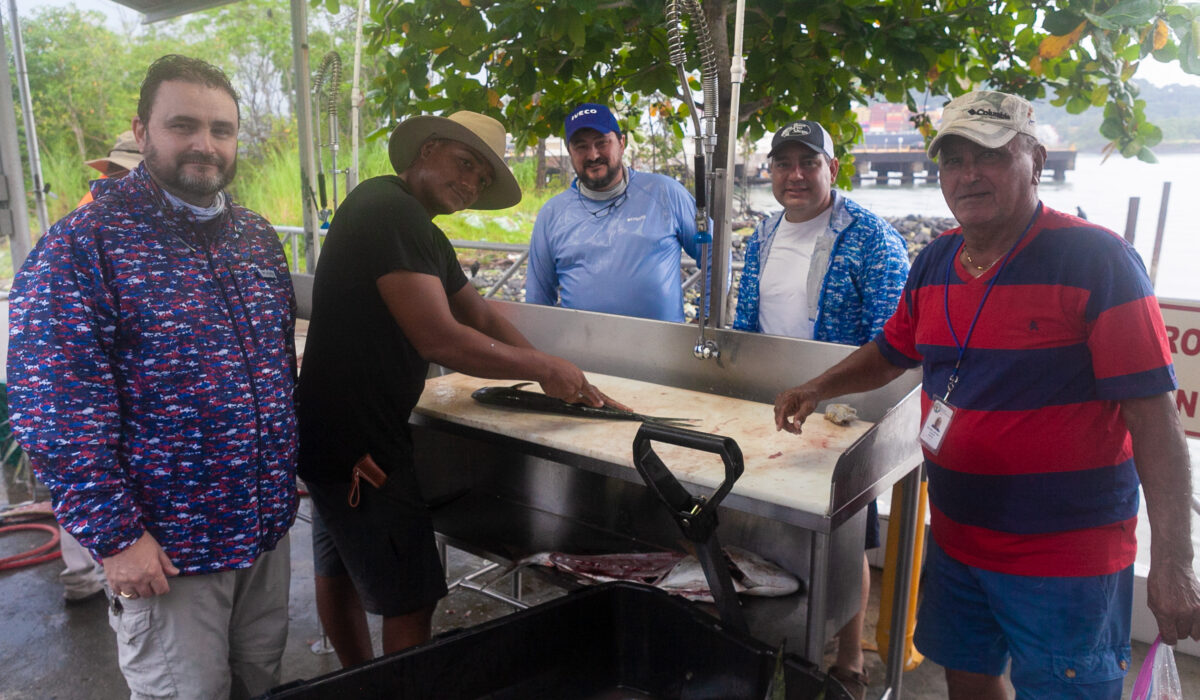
[1158,678]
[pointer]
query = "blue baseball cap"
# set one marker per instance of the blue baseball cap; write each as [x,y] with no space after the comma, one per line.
[590,115]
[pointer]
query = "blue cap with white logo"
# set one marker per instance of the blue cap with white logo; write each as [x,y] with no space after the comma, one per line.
[591,116]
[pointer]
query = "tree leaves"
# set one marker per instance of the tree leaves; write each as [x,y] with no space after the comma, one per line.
[1054,46]
[1130,13]
[815,59]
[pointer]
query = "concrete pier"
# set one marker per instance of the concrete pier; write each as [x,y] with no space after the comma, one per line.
[911,166]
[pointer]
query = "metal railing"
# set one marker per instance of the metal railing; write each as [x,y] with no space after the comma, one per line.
[295,234]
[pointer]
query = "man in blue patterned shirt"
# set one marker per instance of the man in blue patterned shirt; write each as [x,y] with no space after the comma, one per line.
[152,366]
[823,268]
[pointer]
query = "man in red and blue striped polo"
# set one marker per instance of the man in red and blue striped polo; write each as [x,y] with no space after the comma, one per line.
[1047,399]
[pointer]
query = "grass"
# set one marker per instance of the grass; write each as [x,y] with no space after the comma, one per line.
[271,187]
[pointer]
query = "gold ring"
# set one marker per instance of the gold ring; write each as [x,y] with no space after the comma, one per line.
[123,594]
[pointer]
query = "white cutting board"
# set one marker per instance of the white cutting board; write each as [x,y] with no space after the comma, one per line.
[780,468]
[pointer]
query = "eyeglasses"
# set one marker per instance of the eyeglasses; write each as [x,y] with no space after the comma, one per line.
[607,208]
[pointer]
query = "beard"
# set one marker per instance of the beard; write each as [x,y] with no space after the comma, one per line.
[599,184]
[176,179]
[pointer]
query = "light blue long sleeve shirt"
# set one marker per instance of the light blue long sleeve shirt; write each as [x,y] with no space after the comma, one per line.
[619,256]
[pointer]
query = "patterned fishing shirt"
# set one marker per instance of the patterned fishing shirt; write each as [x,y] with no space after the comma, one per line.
[151,370]
[859,267]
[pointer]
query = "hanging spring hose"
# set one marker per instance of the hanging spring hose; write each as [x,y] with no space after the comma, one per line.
[708,66]
[325,87]
[706,139]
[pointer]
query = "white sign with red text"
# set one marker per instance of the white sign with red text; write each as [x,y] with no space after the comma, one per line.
[1182,319]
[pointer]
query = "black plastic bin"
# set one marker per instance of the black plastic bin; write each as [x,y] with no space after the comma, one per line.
[615,641]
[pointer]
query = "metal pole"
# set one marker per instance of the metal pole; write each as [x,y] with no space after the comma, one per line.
[910,518]
[308,165]
[356,98]
[1131,219]
[818,590]
[512,270]
[14,214]
[1158,233]
[31,141]
[724,227]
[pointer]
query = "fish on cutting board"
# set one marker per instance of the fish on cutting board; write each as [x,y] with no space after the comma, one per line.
[515,397]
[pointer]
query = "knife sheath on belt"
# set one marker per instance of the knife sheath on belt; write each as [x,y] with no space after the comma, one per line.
[367,470]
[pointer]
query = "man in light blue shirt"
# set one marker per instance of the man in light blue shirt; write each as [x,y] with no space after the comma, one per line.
[612,241]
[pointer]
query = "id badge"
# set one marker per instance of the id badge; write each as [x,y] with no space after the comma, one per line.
[937,423]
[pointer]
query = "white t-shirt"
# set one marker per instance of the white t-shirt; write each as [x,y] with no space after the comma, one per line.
[783,284]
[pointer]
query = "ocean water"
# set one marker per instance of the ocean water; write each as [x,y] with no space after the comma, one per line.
[1102,191]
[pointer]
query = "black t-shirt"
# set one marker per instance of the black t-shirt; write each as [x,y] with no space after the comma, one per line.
[361,376]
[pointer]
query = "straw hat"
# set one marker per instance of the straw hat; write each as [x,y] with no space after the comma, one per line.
[124,154]
[482,133]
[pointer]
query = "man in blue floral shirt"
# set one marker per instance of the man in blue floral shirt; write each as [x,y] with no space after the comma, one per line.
[823,268]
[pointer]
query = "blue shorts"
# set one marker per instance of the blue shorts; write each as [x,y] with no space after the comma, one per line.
[1067,637]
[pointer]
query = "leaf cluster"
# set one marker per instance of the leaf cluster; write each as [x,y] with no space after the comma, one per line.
[528,62]
[1094,48]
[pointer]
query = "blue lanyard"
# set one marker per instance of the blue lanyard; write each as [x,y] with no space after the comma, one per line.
[962,347]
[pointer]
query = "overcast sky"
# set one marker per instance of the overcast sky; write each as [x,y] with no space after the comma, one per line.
[1150,70]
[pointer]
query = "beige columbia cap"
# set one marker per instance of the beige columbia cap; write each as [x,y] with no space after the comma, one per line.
[988,118]
[482,133]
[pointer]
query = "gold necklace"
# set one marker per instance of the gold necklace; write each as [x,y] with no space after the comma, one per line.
[981,268]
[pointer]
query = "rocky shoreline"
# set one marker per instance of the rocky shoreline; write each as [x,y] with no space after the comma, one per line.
[486,269]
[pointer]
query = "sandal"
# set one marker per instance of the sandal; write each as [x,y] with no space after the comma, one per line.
[843,684]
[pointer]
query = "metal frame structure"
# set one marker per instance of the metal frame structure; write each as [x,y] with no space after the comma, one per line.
[502,496]
[14,212]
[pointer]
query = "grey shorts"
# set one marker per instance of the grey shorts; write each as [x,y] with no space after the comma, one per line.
[388,550]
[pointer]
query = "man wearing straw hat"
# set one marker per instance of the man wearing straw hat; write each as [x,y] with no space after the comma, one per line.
[124,156]
[389,298]
[1048,395]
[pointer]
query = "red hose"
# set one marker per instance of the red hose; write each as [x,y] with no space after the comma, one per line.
[31,557]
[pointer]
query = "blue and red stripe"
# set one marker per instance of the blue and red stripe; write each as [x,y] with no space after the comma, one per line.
[1036,474]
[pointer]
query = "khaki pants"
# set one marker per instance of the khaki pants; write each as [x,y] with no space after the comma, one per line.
[83,575]
[211,637]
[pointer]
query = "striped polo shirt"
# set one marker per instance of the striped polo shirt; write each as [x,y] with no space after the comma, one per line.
[1035,475]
